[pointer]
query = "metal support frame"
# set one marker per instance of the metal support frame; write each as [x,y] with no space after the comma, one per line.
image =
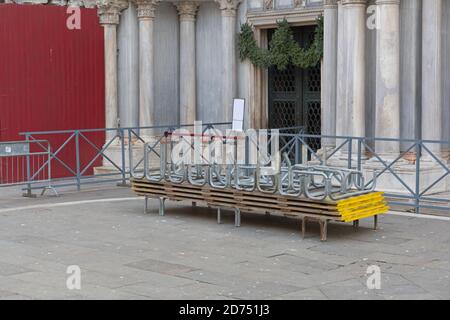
[302,180]
[162,209]
[237,217]
[145,205]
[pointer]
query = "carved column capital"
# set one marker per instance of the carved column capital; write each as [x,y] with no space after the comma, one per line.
[72,3]
[228,7]
[354,2]
[89,3]
[146,8]
[187,10]
[109,10]
[383,2]
[330,4]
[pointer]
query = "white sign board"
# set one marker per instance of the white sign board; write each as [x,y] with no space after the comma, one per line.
[238,114]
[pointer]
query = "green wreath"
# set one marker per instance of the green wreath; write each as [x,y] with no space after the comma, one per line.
[283,49]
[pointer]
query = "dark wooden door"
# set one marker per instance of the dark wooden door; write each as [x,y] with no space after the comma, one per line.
[294,93]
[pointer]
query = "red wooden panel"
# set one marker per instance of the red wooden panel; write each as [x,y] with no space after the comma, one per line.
[51,78]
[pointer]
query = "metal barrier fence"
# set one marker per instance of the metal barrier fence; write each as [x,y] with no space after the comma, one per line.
[26,163]
[416,179]
[101,161]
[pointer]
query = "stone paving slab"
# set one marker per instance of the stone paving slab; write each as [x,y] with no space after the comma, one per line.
[126,254]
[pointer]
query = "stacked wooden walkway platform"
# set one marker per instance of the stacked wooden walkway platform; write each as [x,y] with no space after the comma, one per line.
[350,210]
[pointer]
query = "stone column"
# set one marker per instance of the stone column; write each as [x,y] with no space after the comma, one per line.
[109,12]
[329,71]
[128,67]
[146,16]
[187,11]
[341,106]
[387,123]
[355,76]
[431,72]
[229,65]
[411,69]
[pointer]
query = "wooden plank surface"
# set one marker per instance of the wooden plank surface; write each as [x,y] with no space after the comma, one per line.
[354,208]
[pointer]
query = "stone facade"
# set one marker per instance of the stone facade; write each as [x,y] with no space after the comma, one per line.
[385,71]
[377,80]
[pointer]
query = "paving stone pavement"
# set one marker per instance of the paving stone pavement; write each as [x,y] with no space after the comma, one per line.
[126,254]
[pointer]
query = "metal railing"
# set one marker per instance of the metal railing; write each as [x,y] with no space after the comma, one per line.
[107,156]
[26,163]
[415,178]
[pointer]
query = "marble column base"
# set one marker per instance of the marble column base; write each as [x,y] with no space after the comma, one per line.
[114,152]
[429,173]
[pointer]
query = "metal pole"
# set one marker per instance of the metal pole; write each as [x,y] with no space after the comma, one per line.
[77,155]
[29,192]
[350,151]
[237,217]
[122,147]
[161,206]
[49,168]
[418,158]
[304,154]
[145,204]
[359,164]
[49,172]
[219,216]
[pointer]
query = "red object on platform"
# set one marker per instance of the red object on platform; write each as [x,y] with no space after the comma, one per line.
[51,77]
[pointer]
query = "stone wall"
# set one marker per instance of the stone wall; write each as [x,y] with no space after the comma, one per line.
[166,64]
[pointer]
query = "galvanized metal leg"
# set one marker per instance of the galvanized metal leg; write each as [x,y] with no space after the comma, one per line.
[219,216]
[375,222]
[161,206]
[237,217]
[49,188]
[145,205]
